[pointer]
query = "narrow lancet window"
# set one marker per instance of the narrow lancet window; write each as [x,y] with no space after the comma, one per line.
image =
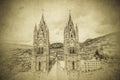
[39,65]
[40,50]
[73,65]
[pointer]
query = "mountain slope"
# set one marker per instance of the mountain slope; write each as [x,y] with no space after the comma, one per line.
[106,45]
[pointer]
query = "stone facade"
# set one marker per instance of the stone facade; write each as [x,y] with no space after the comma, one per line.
[74,65]
[40,56]
[71,49]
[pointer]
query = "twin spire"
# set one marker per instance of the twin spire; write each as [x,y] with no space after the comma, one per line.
[70,22]
[43,21]
[70,29]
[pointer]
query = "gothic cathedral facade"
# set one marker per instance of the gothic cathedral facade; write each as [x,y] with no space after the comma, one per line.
[40,56]
[71,50]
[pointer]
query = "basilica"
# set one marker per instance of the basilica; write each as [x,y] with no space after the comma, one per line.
[40,60]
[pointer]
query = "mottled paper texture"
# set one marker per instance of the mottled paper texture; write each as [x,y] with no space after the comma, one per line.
[59,40]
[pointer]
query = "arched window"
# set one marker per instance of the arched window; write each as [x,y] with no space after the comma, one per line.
[71,36]
[40,50]
[39,66]
[73,65]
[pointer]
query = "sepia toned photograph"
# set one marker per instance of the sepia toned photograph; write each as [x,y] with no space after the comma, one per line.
[59,40]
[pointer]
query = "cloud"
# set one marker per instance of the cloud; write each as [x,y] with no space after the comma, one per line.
[94,18]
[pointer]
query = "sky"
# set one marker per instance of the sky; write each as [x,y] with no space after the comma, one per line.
[93,17]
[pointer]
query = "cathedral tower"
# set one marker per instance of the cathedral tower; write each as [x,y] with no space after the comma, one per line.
[71,49]
[40,56]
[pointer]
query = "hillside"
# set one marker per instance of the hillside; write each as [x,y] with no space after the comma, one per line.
[17,56]
[106,45]
[8,64]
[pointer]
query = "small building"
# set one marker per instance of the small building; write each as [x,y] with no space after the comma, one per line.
[90,65]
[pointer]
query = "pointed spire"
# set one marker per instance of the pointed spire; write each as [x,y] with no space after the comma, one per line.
[42,15]
[42,18]
[69,15]
[42,26]
[70,22]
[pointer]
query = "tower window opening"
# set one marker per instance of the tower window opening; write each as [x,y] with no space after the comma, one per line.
[73,65]
[71,36]
[40,50]
[39,65]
